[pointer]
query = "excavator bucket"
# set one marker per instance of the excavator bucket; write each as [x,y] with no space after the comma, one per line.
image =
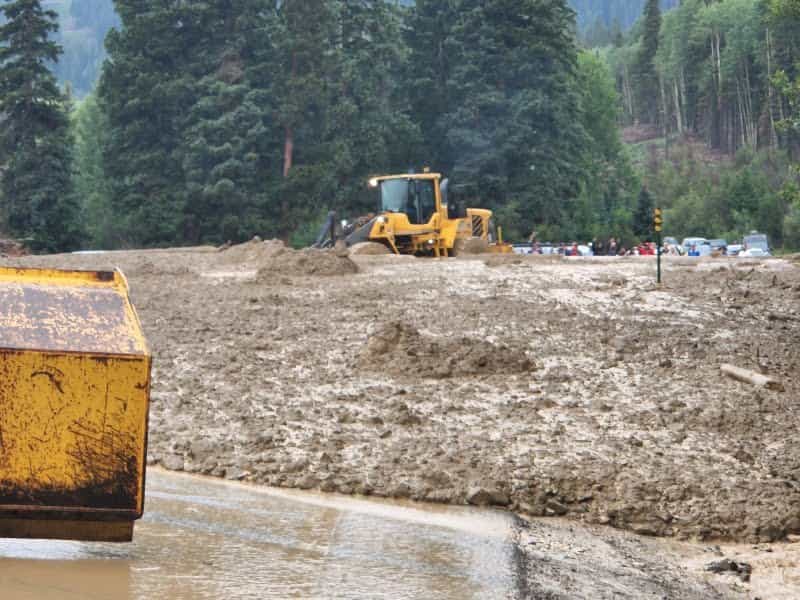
[74,398]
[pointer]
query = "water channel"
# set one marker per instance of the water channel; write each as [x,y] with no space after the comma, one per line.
[209,539]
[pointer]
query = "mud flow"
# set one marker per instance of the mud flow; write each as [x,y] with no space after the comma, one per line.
[204,539]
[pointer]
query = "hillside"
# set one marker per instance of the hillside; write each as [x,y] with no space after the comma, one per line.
[83,27]
[625,12]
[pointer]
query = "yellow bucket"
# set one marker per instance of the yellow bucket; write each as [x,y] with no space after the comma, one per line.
[74,399]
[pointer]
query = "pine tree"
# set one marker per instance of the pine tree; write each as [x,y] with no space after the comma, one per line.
[643,217]
[428,33]
[145,90]
[227,153]
[90,127]
[35,142]
[511,128]
[369,125]
[645,74]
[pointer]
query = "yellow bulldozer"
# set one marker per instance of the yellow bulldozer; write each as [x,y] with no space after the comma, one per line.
[74,397]
[419,215]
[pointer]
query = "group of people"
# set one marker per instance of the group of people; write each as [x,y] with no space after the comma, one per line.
[611,247]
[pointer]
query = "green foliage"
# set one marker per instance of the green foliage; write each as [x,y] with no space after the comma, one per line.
[607,192]
[90,132]
[754,192]
[644,68]
[509,125]
[643,216]
[38,202]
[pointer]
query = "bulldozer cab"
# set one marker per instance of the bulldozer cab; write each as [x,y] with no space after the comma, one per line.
[414,197]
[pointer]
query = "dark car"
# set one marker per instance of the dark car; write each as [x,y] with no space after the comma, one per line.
[718,244]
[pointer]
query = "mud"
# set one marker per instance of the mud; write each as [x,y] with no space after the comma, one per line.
[626,420]
[400,350]
[273,258]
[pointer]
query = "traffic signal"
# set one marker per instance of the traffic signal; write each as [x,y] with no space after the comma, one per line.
[658,220]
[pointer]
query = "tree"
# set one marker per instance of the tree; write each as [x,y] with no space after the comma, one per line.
[511,127]
[145,90]
[90,127]
[607,190]
[645,74]
[34,140]
[643,217]
[227,153]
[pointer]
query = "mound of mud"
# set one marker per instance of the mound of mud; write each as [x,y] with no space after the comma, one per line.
[147,268]
[11,248]
[399,349]
[307,262]
[252,251]
[369,249]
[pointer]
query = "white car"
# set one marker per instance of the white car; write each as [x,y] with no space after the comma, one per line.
[753,253]
[696,246]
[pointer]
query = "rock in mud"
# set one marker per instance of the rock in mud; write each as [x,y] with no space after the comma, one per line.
[481,496]
[741,569]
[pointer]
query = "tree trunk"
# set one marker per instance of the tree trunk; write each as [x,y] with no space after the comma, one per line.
[288,150]
[773,134]
[288,140]
[678,106]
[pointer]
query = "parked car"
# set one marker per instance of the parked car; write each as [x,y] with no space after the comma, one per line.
[756,240]
[523,248]
[696,246]
[734,250]
[718,244]
[753,253]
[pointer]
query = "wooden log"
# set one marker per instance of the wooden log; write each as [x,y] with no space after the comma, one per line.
[751,377]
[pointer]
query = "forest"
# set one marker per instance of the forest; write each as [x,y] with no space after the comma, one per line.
[713,82]
[221,120]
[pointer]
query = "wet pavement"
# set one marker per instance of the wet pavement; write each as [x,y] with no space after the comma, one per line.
[204,538]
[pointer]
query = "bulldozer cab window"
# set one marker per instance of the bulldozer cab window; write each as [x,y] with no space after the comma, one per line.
[416,198]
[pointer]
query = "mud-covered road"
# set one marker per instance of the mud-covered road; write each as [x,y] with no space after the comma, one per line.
[556,388]
[206,539]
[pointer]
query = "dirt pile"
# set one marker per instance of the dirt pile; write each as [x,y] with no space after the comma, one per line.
[307,262]
[254,251]
[11,248]
[273,257]
[399,349]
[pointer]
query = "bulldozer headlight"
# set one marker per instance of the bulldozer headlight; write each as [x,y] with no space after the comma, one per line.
[373,182]
[381,220]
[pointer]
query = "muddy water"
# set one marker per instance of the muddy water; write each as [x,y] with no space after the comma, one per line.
[208,539]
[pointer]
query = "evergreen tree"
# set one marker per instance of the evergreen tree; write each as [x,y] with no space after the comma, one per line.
[227,153]
[369,125]
[511,128]
[643,217]
[428,34]
[645,74]
[308,61]
[146,88]
[34,140]
[90,127]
